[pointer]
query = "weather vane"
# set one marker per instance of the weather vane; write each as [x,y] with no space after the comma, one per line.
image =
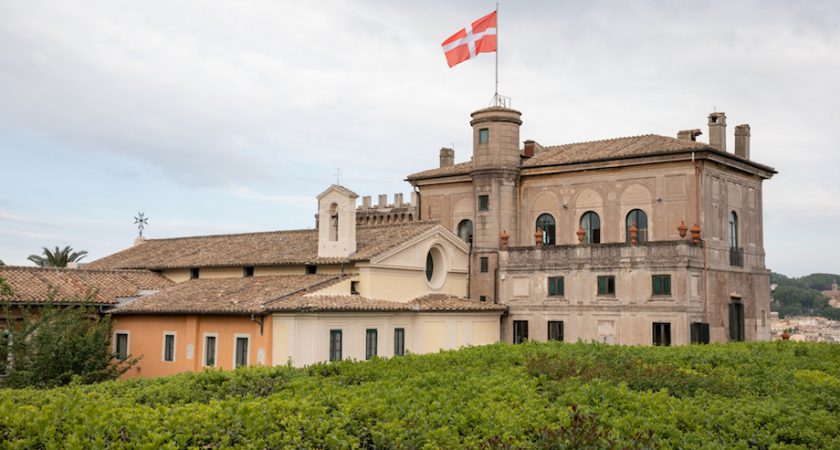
[141,222]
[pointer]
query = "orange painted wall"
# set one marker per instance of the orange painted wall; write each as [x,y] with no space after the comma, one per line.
[146,334]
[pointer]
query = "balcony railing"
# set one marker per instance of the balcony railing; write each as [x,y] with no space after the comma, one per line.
[736,256]
[611,255]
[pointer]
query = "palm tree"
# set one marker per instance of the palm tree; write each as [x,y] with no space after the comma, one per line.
[57,258]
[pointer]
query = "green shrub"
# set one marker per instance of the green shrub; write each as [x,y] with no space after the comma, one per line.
[530,396]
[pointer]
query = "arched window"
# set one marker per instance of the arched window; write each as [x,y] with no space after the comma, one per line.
[638,218]
[733,230]
[334,222]
[546,223]
[591,224]
[465,231]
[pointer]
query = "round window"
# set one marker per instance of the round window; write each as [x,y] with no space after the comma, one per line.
[435,267]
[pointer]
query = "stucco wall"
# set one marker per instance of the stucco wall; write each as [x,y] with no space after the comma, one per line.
[146,335]
[304,338]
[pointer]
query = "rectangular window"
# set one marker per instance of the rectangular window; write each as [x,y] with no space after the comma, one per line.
[520,331]
[662,285]
[169,347]
[248,271]
[699,333]
[210,351]
[483,202]
[240,357]
[555,286]
[311,270]
[371,338]
[662,333]
[354,288]
[482,298]
[335,345]
[485,262]
[399,341]
[555,330]
[736,321]
[606,285]
[483,135]
[193,274]
[121,345]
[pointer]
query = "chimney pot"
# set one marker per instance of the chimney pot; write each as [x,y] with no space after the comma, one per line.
[447,157]
[717,130]
[742,141]
[689,135]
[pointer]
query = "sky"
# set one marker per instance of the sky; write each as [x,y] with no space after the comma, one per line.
[224,117]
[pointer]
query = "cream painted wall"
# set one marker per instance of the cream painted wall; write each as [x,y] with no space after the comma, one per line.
[221,272]
[305,337]
[177,275]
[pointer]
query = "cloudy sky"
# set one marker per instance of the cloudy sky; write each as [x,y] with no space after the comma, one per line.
[219,117]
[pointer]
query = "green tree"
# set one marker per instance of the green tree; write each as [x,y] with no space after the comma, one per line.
[58,257]
[55,345]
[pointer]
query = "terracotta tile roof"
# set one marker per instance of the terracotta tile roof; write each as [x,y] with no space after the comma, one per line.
[341,303]
[607,149]
[617,148]
[225,295]
[256,249]
[463,168]
[443,302]
[40,285]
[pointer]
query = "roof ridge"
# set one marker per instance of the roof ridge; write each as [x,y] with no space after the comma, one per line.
[76,270]
[249,233]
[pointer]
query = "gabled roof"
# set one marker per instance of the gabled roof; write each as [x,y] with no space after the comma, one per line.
[248,295]
[292,247]
[602,150]
[84,286]
[339,188]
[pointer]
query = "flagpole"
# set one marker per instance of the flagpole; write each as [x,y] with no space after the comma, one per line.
[496,96]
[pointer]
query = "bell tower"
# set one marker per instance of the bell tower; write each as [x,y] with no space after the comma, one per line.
[336,222]
[496,160]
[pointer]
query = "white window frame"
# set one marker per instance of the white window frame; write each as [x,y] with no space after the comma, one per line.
[127,341]
[204,350]
[247,353]
[174,346]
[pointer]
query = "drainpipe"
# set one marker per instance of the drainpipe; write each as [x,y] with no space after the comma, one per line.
[698,174]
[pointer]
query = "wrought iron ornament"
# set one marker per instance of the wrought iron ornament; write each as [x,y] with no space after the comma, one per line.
[141,222]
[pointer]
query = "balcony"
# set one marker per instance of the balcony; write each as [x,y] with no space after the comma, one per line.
[611,256]
[736,256]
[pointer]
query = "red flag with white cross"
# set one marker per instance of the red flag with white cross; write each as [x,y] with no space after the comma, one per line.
[477,37]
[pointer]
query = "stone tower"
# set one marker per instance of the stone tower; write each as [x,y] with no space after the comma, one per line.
[496,159]
[336,222]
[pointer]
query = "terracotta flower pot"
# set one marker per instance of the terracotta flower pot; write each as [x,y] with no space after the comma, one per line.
[695,233]
[538,237]
[634,232]
[682,228]
[503,238]
[581,234]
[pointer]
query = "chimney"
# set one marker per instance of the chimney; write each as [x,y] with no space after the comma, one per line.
[742,141]
[717,130]
[689,135]
[383,201]
[366,202]
[398,200]
[447,157]
[532,148]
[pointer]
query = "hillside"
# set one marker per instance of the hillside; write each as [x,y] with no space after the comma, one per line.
[762,395]
[803,296]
